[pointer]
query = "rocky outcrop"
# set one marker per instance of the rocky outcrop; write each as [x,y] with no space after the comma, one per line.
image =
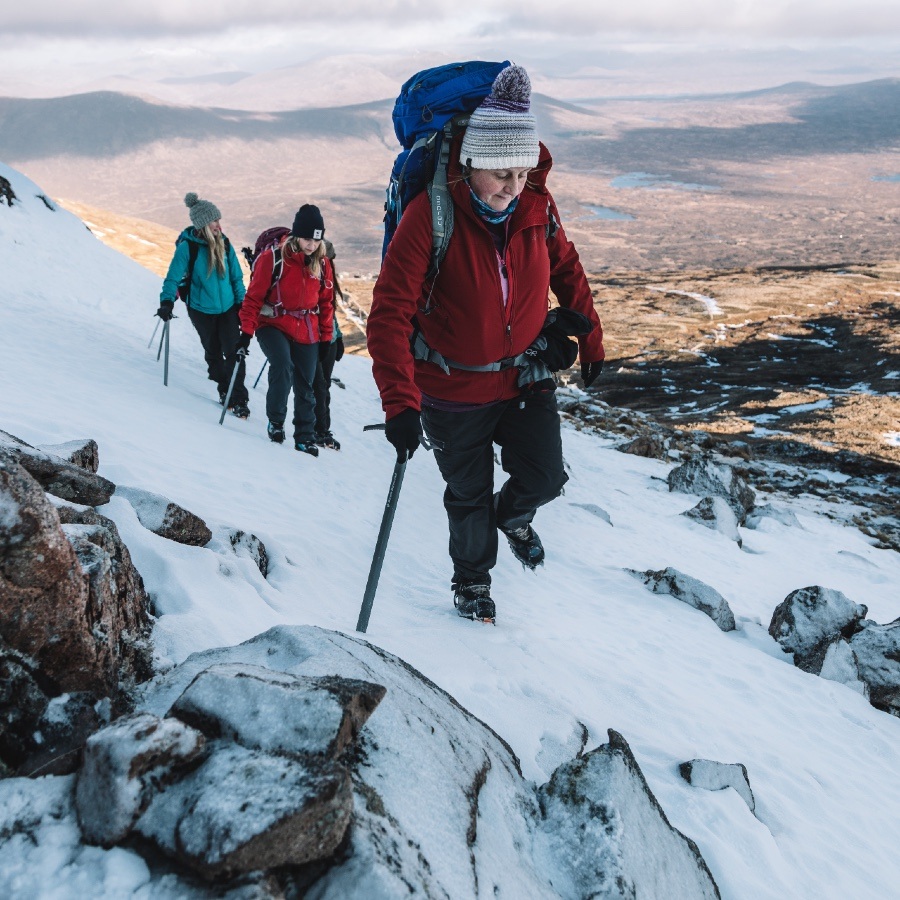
[84,453]
[55,475]
[600,816]
[716,776]
[165,518]
[691,591]
[706,477]
[876,650]
[7,194]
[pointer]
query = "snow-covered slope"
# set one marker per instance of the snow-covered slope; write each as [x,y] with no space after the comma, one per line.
[581,642]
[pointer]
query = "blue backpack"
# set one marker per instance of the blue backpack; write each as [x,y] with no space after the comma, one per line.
[432,108]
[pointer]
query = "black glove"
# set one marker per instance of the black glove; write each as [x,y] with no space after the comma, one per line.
[554,350]
[404,431]
[339,351]
[590,371]
[243,344]
[165,311]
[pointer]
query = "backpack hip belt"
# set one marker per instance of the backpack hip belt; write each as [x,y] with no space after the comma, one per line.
[531,369]
[276,311]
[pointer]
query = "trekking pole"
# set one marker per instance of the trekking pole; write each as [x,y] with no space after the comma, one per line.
[162,339]
[237,364]
[263,369]
[155,328]
[381,544]
[166,362]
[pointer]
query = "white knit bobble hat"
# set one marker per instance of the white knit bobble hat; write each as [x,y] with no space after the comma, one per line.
[502,132]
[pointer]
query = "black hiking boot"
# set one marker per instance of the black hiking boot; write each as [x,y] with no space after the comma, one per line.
[328,440]
[241,410]
[303,447]
[473,601]
[222,396]
[526,546]
[275,432]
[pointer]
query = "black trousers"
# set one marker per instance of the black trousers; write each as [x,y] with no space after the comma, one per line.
[219,334]
[528,434]
[322,389]
[290,365]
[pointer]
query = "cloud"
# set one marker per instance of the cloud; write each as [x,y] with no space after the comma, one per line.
[497,19]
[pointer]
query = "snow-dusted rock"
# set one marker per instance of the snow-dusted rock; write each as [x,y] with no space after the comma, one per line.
[691,591]
[603,833]
[243,810]
[715,513]
[165,518]
[760,517]
[246,544]
[7,194]
[84,453]
[275,712]
[125,765]
[840,663]
[877,649]
[61,478]
[648,444]
[716,776]
[595,510]
[705,477]
[809,619]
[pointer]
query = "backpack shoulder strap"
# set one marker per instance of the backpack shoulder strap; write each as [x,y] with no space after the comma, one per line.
[552,225]
[441,201]
[193,250]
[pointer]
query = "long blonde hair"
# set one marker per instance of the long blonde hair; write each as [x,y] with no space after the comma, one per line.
[216,244]
[314,266]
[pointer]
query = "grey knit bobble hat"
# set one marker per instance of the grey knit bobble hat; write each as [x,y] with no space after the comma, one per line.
[202,211]
[502,132]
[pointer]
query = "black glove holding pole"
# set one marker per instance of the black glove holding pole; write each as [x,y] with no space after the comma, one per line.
[404,431]
[166,310]
[243,343]
[590,371]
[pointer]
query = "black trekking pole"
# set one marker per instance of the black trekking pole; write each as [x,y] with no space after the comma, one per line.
[162,339]
[237,364]
[263,369]
[155,327]
[166,361]
[387,520]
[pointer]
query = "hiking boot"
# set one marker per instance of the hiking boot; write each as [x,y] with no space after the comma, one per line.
[311,449]
[526,546]
[222,396]
[473,601]
[328,440]
[275,432]
[241,410]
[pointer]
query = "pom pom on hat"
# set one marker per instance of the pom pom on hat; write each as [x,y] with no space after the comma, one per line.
[202,212]
[502,132]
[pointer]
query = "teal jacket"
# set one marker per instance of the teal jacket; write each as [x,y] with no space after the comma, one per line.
[211,293]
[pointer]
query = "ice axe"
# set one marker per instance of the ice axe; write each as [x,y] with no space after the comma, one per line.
[241,353]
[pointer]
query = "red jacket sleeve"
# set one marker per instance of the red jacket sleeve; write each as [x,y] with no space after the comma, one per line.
[570,286]
[395,300]
[260,282]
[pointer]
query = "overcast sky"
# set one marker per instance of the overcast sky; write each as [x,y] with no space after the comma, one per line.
[57,44]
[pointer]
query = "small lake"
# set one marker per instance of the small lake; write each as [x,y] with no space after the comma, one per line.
[657,182]
[605,212]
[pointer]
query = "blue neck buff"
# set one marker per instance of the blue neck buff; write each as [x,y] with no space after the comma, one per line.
[492,216]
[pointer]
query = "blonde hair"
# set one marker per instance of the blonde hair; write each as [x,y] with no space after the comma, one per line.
[216,244]
[314,266]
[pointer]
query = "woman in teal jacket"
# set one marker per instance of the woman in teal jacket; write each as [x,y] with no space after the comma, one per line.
[206,274]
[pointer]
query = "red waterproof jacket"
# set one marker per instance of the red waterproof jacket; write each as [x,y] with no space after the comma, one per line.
[308,302]
[467,320]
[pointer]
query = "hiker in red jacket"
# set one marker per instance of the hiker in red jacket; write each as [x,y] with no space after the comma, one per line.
[450,354]
[290,319]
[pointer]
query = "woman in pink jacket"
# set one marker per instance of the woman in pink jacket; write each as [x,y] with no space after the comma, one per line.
[480,327]
[290,318]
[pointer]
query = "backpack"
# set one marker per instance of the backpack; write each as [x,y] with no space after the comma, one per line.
[184,286]
[432,108]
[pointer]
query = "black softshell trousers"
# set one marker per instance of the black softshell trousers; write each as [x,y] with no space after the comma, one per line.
[527,431]
[322,388]
[291,365]
[219,333]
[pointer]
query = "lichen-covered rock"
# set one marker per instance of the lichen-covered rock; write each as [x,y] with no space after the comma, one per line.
[648,444]
[165,518]
[22,703]
[716,776]
[691,591]
[83,453]
[125,766]
[279,713]
[810,618]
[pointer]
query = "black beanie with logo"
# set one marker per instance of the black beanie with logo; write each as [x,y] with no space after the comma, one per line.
[308,223]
